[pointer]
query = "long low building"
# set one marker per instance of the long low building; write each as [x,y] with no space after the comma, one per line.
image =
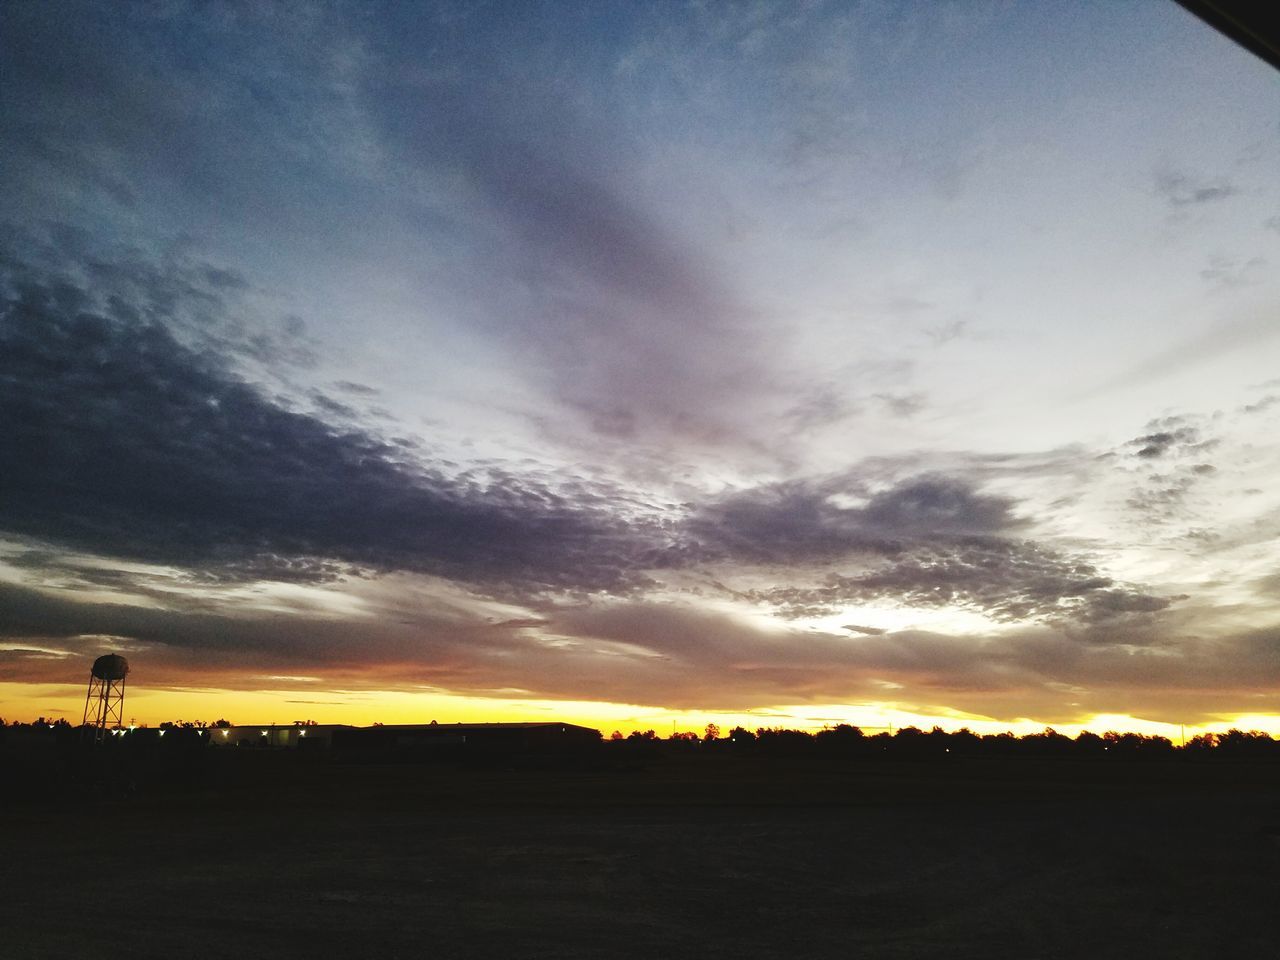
[276,736]
[409,739]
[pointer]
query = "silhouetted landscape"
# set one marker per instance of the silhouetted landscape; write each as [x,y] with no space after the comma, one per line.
[763,844]
[820,375]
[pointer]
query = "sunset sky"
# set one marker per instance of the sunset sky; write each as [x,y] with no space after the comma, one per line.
[640,364]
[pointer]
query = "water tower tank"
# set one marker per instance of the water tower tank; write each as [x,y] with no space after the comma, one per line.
[112,666]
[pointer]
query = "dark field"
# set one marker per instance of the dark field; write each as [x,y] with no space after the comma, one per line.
[685,858]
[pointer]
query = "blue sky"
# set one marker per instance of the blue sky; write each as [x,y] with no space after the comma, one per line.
[689,356]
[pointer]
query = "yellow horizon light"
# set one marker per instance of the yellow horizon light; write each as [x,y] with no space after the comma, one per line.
[365,707]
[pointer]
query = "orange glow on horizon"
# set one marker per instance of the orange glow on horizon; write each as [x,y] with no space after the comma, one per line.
[26,702]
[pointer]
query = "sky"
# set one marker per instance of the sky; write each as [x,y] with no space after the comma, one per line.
[640,364]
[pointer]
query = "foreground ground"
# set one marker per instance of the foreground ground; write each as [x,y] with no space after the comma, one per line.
[675,858]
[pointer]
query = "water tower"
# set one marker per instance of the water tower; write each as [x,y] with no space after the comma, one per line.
[104,703]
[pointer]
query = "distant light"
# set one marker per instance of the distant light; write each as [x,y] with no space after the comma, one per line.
[199,733]
[264,733]
[162,733]
[225,732]
[302,733]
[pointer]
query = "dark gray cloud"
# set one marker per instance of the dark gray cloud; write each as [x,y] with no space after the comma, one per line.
[1172,457]
[359,389]
[924,540]
[928,541]
[806,520]
[119,439]
[201,304]
[1005,580]
[1182,190]
[125,441]
[1158,444]
[1177,438]
[1161,496]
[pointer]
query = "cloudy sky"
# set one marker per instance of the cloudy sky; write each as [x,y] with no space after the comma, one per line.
[792,362]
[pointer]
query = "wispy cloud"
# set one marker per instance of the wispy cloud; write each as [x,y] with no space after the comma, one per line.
[1180,189]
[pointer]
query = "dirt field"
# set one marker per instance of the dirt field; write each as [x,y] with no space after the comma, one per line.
[681,859]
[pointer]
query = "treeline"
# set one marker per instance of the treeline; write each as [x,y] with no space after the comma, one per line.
[844,740]
[912,743]
[62,724]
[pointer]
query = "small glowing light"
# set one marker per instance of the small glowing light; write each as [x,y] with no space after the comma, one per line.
[225,732]
[199,733]
[162,733]
[302,733]
[264,733]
